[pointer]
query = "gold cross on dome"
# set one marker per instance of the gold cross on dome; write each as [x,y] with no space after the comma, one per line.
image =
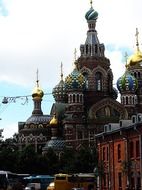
[137,39]
[61,71]
[37,80]
[126,57]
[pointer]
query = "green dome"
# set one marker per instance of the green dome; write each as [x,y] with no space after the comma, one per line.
[75,80]
[91,14]
[127,83]
[59,91]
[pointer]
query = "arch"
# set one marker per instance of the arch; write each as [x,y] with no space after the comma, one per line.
[112,104]
[99,69]
[86,73]
[86,70]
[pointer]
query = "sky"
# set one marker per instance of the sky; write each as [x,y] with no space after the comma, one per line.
[40,34]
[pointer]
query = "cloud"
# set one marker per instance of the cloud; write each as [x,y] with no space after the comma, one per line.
[40,34]
[10,130]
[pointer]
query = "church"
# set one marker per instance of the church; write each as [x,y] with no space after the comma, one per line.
[86,112]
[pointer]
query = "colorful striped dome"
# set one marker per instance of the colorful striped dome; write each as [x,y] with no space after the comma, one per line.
[127,83]
[91,14]
[75,80]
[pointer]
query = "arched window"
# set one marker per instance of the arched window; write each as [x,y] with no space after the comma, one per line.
[126,100]
[73,98]
[131,149]
[119,152]
[86,49]
[98,80]
[139,75]
[86,78]
[77,98]
[109,83]
[96,49]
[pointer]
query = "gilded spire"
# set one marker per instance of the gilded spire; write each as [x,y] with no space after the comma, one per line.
[137,39]
[37,80]
[126,58]
[75,58]
[61,71]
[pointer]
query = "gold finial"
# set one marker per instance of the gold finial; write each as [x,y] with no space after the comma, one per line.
[126,58]
[37,80]
[91,2]
[137,39]
[61,71]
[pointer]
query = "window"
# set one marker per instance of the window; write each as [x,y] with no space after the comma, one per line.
[103,153]
[132,181]
[77,98]
[119,180]
[98,80]
[131,149]
[107,154]
[105,180]
[126,100]
[73,98]
[86,78]
[119,152]
[79,135]
[137,149]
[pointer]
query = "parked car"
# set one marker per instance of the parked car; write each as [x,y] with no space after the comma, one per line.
[33,186]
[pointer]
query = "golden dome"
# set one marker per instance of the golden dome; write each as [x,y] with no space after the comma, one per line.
[135,58]
[54,121]
[37,92]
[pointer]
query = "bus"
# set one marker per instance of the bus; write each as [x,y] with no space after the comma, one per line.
[7,179]
[79,181]
[39,182]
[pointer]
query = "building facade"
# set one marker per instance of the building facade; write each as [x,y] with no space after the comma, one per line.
[120,155]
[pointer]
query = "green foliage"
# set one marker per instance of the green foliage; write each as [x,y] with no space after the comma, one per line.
[83,160]
[126,166]
[28,161]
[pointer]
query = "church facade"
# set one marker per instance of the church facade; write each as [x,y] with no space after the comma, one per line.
[85,102]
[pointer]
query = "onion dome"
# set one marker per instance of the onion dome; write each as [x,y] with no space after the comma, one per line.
[91,14]
[75,80]
[59,90]
[56,144]
[127,83]
[54,121]
[136,58]
[37,91]
[38,119]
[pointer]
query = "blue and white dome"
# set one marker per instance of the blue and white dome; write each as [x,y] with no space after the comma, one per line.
[127,83]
